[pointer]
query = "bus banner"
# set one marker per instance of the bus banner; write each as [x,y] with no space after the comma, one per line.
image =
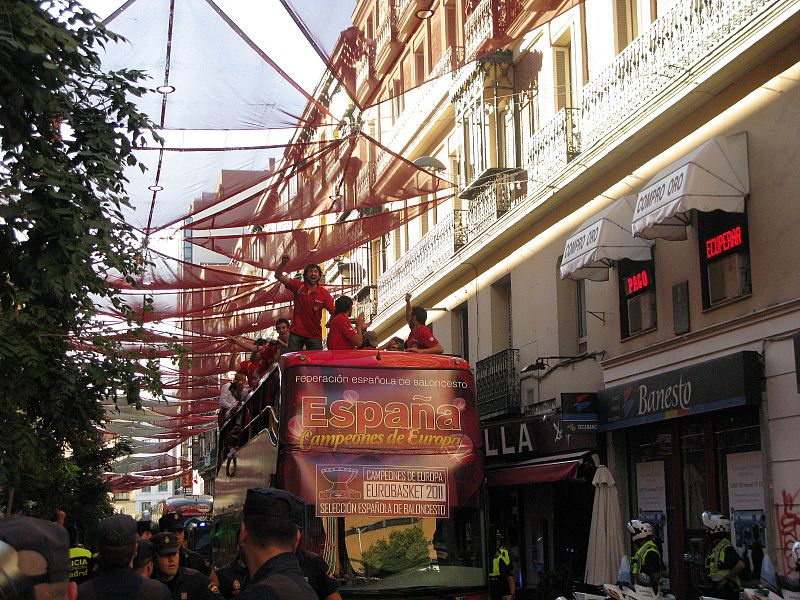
[394,410]
[401,491]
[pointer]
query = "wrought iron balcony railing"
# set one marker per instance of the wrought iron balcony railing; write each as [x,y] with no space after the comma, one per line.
[553,146]
[433,251]
[663,54]
[387,30]
[452,58]
[365,68]
[498,383]
[367,303]
[491,203]
[365,181]
[488,21]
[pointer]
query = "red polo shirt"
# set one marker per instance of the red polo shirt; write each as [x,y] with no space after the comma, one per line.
[341,333]
[421,337]
[308,305]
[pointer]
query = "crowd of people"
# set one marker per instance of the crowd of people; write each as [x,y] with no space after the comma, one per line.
[39,560]
[304,332]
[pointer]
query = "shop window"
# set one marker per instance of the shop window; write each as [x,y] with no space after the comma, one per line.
[637,297]
[724,257]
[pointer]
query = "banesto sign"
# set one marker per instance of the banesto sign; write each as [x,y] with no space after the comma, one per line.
[721,383]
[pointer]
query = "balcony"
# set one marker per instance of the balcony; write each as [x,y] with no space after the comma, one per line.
[488,22]
[660,59]
[431,253]
[332,166]
[365,181]
[407,19]
[452,58]
[498,384]
[386,37]
[384,158]
[365,71]
[492,202]
[553,146]
[367,302]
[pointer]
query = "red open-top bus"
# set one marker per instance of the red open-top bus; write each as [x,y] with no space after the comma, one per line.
[384,449]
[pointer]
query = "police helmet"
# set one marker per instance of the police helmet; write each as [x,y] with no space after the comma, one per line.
[639,529]
[715,522]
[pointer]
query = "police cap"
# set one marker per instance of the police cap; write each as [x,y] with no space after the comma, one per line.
[171,521]
[37,535]
[274,503]
[144,554]
[165,543]
[117,531]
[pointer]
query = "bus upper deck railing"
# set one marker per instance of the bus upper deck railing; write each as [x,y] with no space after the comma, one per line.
[257,412]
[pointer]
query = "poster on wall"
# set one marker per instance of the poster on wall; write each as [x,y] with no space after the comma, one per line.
[651,497]
[746,502]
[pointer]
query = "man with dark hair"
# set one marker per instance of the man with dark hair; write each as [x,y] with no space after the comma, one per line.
[183,583]
[34,560]
[341,335]
[172,522]
[143,561]
[144,526]
[421,340]
[282,327]
[116,579]
[268,537]
[309,300]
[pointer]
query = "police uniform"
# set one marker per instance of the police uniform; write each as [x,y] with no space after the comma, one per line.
[233,578]
[279,578]
[721,560]
[501,571]
[315,570]
[81,564]
[116,535]
[187,584]
[172,521]
[647,560]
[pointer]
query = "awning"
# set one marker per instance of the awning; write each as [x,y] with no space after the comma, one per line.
[711,177]
[602,240]
[539,470]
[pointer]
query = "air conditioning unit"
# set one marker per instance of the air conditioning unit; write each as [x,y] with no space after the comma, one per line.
[641,312]
[728,278]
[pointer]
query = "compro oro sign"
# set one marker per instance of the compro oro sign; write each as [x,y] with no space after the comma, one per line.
[390,491]
[713,176]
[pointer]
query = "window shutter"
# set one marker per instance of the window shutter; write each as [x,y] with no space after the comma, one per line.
[562,74]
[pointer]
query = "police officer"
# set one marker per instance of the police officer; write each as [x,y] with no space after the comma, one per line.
[233,578]
[646,556]
[183,583]
[268,538]
[501,579]
[81,561]
[144,526]
[315,570]
[173,522]
[723,563]
[115,578]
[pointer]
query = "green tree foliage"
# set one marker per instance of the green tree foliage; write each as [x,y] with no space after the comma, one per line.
[405,549]
[66,131]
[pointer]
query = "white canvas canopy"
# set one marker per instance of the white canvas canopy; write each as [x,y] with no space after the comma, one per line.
[712,177]
[602,240]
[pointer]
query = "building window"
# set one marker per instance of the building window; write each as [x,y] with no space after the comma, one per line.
[637,297]
[580,315]
[724,257]
[146,506]
[163,487]
[625,23]
[461,331]
[146,489]
[121,496]
[502,329]
[562,59]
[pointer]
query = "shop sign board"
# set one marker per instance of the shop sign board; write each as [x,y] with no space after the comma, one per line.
[532,437]
[579,411]
[725,382]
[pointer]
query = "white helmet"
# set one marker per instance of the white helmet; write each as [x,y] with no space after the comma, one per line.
[716,523]
[639,529]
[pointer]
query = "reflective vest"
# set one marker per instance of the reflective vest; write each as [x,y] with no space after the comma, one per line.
[638,559]
[80,560]
[714,569]
[501,554]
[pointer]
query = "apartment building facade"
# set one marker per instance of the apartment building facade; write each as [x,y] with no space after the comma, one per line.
[569,133]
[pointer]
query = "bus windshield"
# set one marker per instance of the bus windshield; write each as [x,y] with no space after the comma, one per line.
[388,463]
